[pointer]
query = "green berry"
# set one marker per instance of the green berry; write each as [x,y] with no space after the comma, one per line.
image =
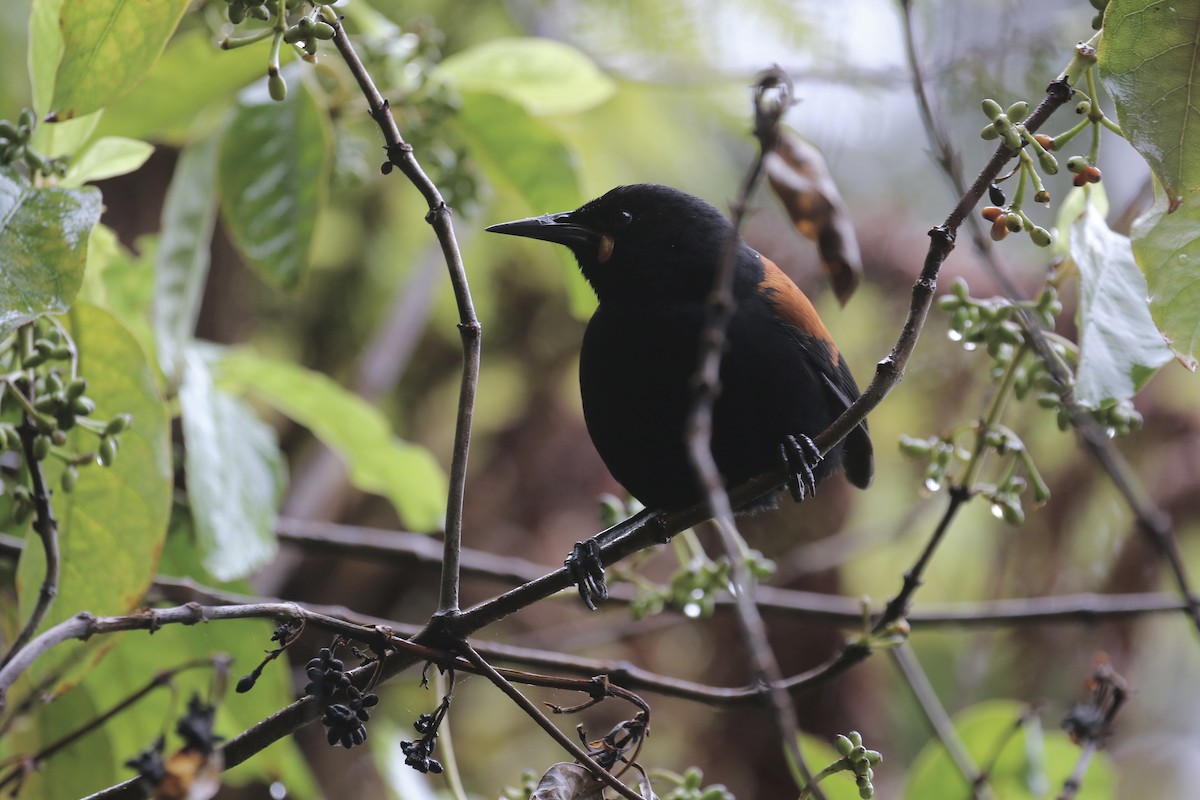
[1040,236]
[992,109]
[1047,162]
[69,477]
[277,86]
[843,744]
[107,453]
[1017,111]
[83,406]
[118,424]
[41,447]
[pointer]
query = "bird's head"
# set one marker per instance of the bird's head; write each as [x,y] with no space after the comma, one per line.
[641,242]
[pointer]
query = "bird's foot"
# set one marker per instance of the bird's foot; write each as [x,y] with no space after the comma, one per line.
[586,569]
[800,457]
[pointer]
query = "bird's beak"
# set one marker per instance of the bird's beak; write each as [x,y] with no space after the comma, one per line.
[557,228]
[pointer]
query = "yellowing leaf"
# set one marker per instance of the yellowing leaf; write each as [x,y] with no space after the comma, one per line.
[108,45]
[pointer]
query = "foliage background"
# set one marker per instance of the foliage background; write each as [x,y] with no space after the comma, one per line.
[375,313]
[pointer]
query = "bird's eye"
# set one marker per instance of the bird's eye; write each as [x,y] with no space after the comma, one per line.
[623,219]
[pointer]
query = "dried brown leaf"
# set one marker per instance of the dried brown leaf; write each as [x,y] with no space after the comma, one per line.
[800,178]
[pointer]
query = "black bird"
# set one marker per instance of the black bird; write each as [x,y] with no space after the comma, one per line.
[652,254]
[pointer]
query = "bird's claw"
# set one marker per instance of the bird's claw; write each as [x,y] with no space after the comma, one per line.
[586,569]
[800,455]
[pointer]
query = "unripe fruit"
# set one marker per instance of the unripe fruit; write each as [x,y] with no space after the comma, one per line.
[999,229]
[992,109]
[1045,141]
[1076,163]
[1040,236]
[991,213]
[118,424]
[277,86]
[1017,111]
[107,452]
[1013,222]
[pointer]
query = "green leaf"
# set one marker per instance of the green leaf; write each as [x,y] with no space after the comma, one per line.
[192,75]
[1168,250]
[65,138]
[235,474]
[1119,345]
[45,50]
[107,158]
[527,155]
[121,282]
[272,170]
[108,46]
[94,763]
[43,247]
[543,75]
[181,265]
[1032,763]
[405,473]
[1149,57]
[111,527]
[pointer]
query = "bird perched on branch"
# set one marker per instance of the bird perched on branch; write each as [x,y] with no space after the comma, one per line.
[652,254]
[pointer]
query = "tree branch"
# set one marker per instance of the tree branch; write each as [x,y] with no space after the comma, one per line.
[400,154]
[46,527]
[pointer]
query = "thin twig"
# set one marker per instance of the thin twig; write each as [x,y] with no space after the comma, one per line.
[1074,781]
[400,154]
[772,98]
[938,719]
[544,722]
[46,527]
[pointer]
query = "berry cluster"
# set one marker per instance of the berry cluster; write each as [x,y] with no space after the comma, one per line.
[690,786]
[39,384]
[418,753]
[326,675]
[196,727]
[859,760]
[345,722]
[15,147]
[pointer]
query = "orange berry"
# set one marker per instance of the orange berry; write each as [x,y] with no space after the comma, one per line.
[999,229]
[991,213]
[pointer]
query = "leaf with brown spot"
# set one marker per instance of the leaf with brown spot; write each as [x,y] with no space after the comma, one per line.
[800,178]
